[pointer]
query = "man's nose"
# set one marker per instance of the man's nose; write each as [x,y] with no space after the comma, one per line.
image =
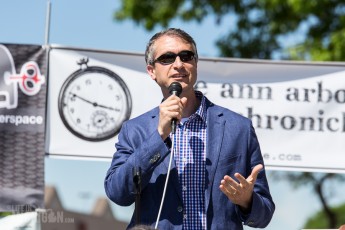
[178,63]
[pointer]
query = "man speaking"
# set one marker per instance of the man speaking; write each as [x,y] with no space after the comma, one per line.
[203,172]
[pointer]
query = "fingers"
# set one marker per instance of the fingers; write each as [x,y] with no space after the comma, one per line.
[228,190]
[184,101]
[231,182]
[233,190]
[252,177]
[232,186]
[240,192]
[171,108]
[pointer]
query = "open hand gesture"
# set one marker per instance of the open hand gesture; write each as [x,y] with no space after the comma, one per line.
[240,193]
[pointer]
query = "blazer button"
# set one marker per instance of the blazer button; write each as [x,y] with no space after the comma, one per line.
[179,209]
[155,158]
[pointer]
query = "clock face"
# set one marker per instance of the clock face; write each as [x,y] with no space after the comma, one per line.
[93,103]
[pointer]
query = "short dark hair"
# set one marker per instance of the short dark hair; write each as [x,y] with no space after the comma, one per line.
[149,53]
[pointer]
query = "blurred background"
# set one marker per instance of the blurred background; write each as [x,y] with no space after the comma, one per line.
[311,30]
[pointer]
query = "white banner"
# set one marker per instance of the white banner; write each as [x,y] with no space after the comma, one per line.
[20,221]
[296,108]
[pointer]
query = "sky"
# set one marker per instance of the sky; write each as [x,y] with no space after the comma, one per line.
[90,24]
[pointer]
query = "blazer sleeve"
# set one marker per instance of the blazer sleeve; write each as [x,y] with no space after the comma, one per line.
[137,147]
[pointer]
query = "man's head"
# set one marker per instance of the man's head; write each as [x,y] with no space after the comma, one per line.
[171,55]
[150,48]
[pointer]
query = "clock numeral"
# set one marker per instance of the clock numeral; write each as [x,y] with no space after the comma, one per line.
[118,97]
[110,87]
[78,120]
[78,87]
[88,82]
[72,110]
[72,98]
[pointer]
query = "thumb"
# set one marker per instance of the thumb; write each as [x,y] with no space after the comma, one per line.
[184,101]
[256,171]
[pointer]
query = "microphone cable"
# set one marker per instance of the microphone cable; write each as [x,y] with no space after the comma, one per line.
[175,88]
[167,179]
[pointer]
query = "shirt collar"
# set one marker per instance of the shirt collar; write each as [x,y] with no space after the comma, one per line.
[202,110]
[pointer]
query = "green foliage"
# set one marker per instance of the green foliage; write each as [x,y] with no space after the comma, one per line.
[261,25]
[3,214]
[320,221]
[323,187]
[149,12]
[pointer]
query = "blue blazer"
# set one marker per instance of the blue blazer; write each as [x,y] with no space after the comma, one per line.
[232,146]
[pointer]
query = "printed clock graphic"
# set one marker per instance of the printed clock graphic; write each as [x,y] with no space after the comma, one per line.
[94,102]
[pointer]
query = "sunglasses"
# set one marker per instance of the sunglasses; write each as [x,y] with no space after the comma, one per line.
[169,58]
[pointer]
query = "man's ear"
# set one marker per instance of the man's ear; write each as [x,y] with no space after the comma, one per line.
[151,71]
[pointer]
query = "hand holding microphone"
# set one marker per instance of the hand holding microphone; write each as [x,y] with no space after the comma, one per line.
[171,110]
[174,89]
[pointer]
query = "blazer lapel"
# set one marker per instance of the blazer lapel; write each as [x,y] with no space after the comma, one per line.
[215,132]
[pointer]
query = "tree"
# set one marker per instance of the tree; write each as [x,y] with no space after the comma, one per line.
[261,27]
[320,220]
[331,218]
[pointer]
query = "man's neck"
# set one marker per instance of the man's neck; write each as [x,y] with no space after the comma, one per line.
[192,106]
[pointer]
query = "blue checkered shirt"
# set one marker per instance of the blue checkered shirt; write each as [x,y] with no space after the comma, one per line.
[190,159]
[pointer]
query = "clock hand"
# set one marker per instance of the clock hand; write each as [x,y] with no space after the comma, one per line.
[106,107]
[94,103]
[83,99]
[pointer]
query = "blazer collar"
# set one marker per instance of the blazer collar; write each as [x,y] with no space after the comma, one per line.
[215,132]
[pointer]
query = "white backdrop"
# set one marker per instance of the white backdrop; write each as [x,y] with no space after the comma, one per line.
[297,108]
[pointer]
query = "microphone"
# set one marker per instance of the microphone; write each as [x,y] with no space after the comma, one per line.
[175,88]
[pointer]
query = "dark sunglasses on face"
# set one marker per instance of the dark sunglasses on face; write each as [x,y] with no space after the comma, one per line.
[170,57]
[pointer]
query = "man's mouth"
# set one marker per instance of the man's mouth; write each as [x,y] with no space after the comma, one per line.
[179,76]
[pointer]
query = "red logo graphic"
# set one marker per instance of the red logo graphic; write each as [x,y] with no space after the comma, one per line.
[29,80]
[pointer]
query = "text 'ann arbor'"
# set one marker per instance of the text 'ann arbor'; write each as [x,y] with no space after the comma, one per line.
[317,96]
